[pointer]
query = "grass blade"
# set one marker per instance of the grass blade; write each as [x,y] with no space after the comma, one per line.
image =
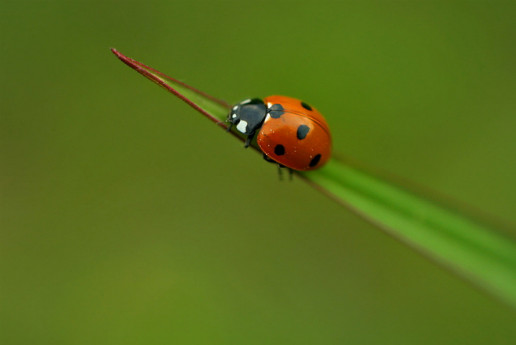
[476,252]
[214,109]
[472,250]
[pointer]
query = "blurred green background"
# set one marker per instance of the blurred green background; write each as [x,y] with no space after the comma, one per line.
[127,218]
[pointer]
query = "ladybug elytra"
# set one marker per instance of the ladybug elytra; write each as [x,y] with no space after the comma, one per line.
[288,131]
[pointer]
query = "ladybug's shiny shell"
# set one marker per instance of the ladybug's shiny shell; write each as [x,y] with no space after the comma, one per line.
[294,134]
[288,131]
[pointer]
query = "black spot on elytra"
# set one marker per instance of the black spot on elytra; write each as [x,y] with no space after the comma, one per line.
[306,106]
[302,131]
[315,160]
[279,150]
[276,110]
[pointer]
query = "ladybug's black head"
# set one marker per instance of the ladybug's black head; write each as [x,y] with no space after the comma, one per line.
[248,116]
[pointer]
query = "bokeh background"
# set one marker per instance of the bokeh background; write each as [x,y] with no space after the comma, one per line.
[127,218]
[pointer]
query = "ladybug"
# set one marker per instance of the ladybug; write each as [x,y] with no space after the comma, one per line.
[288,131]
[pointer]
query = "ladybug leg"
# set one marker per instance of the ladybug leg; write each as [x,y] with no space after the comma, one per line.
[229,126]
[280,168]
[268,159]
[280,172]
[248,140]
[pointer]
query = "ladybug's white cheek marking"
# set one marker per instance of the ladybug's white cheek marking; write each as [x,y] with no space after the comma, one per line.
[242,125]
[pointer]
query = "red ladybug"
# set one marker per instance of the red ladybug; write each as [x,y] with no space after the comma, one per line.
[289,131]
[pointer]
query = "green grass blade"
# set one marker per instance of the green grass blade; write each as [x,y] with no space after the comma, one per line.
[472,250]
